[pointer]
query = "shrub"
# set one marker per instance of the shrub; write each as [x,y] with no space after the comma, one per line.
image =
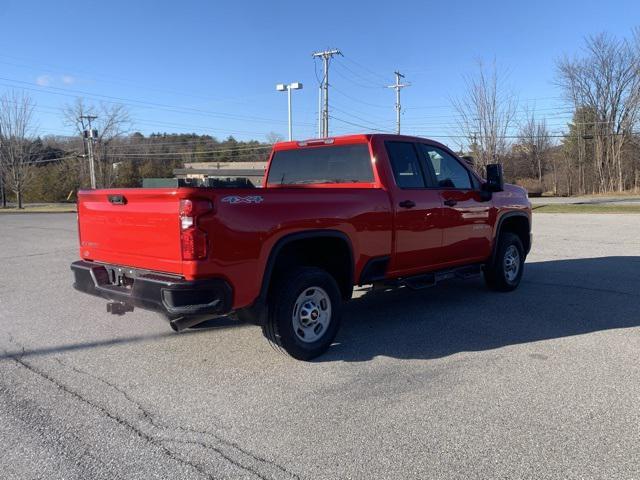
[532,185]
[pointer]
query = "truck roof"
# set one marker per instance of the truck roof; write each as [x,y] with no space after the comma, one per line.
[347,140]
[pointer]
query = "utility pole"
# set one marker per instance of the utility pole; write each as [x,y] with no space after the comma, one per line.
[326,55]
[397,87]
[89,136]
[320,111]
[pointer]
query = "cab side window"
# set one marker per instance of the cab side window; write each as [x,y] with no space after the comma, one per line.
[405,164]
[449,172]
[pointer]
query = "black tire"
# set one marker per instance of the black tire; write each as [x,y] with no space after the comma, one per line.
[497,275]
[291,289]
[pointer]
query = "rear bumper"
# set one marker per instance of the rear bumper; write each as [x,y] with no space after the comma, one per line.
[170,295]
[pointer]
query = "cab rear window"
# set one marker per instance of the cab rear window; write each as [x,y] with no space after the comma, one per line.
[327,164]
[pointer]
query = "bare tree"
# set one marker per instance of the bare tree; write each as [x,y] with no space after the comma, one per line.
[485,115]
[273,137]
[112,122]
[606,81]
[18,149]
[534,142]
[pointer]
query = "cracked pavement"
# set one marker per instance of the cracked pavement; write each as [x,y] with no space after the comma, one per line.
[451,382]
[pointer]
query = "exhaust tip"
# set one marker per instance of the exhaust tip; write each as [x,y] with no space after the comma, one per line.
[182,323]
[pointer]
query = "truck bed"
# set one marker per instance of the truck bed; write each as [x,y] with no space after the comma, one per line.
[140,228]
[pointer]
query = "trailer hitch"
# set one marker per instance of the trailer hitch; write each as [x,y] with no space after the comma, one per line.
[119,308]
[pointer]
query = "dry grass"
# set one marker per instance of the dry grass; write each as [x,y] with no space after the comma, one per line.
[52,208]
[586,208]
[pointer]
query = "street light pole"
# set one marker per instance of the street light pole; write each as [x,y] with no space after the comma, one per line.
[282,87]
[289,111]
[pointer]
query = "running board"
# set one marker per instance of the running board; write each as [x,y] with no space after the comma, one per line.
[426,280]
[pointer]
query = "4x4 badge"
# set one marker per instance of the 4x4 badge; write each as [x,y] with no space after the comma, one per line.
[234,199]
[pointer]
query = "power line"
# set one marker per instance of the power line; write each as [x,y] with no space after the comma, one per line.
[361,81]
[121,157]
[406,121]
[360,101]
[413,122]
[49,160]
[146,143]
[143,103]
[238,117]
[358,125]
[190,152]
[367,69]
[348,59]
[121,81]
[454,116]
[362,119]
[157,123]
[537,136]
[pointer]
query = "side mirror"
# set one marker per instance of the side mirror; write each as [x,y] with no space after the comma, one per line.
[495,179]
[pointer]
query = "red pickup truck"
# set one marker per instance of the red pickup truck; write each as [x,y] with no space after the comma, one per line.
[332,213]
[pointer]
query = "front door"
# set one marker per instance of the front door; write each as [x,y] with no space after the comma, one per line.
[465,216]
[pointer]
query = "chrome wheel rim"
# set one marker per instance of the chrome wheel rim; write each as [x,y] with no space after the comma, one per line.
[311,314]
[511,263]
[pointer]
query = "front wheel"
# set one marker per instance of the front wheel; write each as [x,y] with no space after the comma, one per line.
[304,313]
[505,271]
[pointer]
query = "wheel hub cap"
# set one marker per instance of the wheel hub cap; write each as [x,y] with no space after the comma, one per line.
[511,263]
[311,314]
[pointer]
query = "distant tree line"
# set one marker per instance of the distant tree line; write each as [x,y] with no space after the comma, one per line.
[52,168]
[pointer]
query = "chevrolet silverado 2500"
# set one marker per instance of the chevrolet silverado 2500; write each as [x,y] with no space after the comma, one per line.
[332,213]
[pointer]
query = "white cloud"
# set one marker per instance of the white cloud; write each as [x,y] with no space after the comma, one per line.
[68,79]
[44,80]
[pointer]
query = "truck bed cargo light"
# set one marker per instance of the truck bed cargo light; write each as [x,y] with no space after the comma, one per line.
[320,141]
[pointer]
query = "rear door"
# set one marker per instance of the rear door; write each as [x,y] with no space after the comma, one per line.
[417,209]
[131,227]
[465,216]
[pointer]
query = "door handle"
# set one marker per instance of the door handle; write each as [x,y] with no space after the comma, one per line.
[407,204]
[450,202]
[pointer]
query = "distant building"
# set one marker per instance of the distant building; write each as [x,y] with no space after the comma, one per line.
[254,171]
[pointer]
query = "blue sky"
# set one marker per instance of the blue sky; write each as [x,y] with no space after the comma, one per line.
[211,67]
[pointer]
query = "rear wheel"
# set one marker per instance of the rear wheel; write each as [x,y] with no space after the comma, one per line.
[304,313]
[505,271]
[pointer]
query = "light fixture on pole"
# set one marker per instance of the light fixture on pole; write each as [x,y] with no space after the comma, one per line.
[283,87]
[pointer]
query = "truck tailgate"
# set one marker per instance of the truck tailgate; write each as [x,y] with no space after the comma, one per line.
[131,227]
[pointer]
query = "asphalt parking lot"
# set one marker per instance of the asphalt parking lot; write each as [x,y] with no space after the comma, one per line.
[451,382]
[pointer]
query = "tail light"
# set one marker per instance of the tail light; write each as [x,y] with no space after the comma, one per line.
[193,239]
